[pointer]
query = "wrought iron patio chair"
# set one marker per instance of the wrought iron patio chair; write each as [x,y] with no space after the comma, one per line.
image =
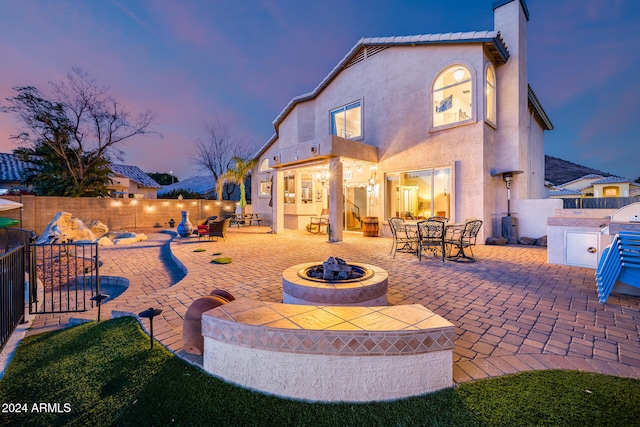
[431,235]
[462,238]
[404,239]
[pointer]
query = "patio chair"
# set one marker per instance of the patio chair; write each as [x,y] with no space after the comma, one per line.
[462,238]
[202,227]
[317,222]
[404,239]
[219,228]
[203,230]
[431,237]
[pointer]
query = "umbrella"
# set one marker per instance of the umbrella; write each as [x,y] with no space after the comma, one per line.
[8,222]
[7,205]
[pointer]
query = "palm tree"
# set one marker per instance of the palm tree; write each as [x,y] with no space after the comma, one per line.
[236,175]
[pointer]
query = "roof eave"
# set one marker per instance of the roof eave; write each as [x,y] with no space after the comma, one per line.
[537,106]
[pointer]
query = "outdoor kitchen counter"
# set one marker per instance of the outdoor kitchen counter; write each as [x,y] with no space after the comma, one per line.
[329,353]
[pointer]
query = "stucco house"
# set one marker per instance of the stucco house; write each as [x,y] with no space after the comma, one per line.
[412,126]
[126,180]
[594,185]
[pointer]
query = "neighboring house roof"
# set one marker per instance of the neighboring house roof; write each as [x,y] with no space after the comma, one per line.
[136,174]
[564,192]
[611,180]
[11,167]
[582,178]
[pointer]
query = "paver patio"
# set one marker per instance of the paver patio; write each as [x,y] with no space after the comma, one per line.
[511,310]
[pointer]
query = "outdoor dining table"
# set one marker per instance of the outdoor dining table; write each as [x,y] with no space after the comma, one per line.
[411,228]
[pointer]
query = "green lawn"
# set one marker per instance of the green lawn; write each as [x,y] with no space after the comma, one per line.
[104,374]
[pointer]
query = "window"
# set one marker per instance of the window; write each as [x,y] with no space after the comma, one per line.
[265,188]
[419,195]
[290,189]
[611,191]
[490,94]
[452,96]
[306,182]
[347,121]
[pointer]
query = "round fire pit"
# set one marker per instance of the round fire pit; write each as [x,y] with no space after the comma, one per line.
[370,289]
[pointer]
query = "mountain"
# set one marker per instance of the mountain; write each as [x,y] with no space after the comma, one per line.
[558,171]
[198,184]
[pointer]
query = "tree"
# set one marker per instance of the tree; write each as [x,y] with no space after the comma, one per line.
[163,178]
[216,153]
[186,194]
[638,180]
[72,136]
[236,175]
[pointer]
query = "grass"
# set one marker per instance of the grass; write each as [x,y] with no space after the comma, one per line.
[107,375]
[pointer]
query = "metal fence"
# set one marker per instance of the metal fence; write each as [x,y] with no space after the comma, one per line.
[599,202]
[68,277]
[14,265]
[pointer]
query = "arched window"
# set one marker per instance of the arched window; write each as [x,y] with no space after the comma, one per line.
[452,96]
[490,95]
[264,165]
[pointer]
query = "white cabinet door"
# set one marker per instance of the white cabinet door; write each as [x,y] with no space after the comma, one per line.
[582,248]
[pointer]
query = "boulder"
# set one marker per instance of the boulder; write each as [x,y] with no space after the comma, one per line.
[125,241]
[497,241]
[526,240]
[105,241]
[64,228]
[542,241]
[97,227]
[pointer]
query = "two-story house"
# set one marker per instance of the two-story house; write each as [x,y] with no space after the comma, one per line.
[411,126]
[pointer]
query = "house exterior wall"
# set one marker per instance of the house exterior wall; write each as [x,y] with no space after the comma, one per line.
[395,89]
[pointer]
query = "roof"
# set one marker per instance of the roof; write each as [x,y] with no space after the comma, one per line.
[611,180]
[590,176]
[537,106]
[136,174]
[11,167]
[564,192]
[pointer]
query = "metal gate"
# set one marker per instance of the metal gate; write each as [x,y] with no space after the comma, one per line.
[66,277]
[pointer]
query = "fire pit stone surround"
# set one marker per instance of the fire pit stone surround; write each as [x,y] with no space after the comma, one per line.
[299,286]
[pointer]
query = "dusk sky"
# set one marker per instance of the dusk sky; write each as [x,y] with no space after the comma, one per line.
[241,61]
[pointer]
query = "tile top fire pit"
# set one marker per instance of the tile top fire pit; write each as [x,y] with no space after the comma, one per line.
[335,282]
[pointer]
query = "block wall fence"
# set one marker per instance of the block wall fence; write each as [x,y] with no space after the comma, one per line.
[117,214]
